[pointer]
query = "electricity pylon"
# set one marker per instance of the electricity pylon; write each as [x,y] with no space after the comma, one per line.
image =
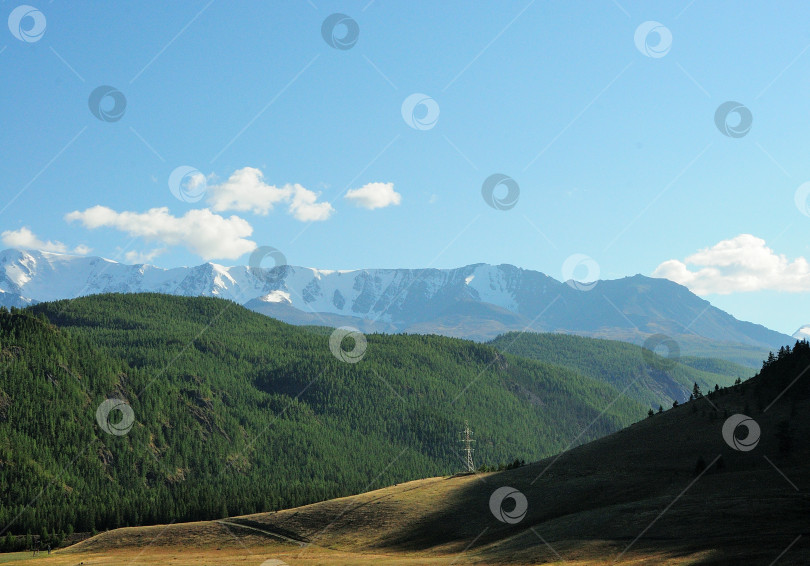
[466,438]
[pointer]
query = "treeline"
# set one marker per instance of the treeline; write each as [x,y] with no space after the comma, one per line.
[779,379]
[514,464]
[43,541]
[784,375]
[237,413]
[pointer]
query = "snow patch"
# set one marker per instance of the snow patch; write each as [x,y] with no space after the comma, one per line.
[277,296]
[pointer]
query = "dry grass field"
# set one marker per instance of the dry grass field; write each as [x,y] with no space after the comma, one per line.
[635,497]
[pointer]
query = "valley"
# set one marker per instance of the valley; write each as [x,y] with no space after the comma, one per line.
[228,405]
[325,283]
[670,489]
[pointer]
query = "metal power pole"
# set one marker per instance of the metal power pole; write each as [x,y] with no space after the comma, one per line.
[466,438]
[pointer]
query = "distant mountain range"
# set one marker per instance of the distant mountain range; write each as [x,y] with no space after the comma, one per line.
[478,301]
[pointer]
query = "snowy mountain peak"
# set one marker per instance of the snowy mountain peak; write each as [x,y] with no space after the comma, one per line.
[476,301]
[802,333]
[35,276]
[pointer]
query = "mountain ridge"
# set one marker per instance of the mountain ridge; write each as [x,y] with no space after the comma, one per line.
[477,301]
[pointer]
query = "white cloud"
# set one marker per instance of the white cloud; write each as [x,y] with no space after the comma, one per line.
[374,195]
[202,232]
[743,263]
[245,190]
[304,206]
[25,238]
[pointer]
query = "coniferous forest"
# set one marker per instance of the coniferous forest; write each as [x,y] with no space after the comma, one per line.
[650,379]
[234,412]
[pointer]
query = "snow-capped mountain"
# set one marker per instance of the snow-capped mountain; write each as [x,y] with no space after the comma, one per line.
[475,301]
[802,333]
[380,294]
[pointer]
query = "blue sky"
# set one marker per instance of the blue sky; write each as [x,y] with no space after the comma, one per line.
[616,153]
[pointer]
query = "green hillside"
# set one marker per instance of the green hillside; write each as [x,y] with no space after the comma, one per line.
[650,380]
[235,412]
[721,480]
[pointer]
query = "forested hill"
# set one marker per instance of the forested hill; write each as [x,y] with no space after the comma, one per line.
[233,412]
[650,379]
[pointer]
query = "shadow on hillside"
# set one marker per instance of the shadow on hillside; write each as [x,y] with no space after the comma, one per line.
[670,484]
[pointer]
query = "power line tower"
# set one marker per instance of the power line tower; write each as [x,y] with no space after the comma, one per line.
[466,438]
